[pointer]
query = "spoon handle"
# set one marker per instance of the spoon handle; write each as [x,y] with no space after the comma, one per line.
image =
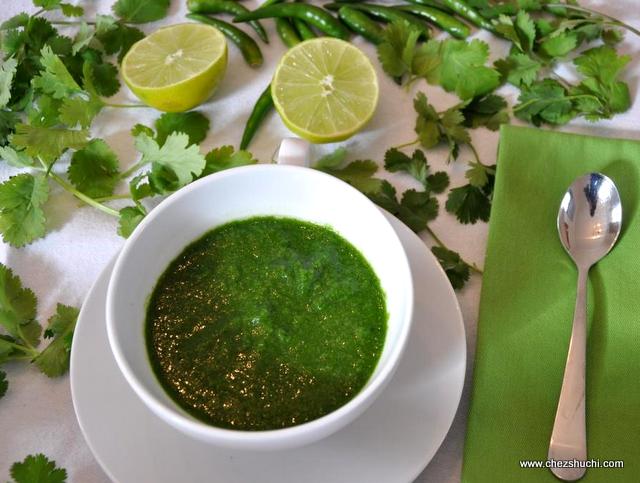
[569,436]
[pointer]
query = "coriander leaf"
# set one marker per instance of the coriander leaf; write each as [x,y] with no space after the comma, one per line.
[417,208]
[8,121]
[470,203]
[456,269]
[105,78]
[130,217]
[7,72]
[522,31]
[4,385]
[427,122]
[416,165]
[332,160]
[37,469]
[17,303]
[45,112]
[47,142]
[76,111]
[55,78]
[385,197]
[141,11]
[69,10]
[94,169]
[139,187]
[544,101]
[21,216]
[559,45]
[518,69]
[193,123]
[83,37]
[19,159]
[224,157]
[141,128]
[104,24]
[182,161]
[489,111]
[612,36]
[19,20]
[358,174]
[117,39]
[462,68]
[54,359]
[602,63]
[47,4]
[396,51]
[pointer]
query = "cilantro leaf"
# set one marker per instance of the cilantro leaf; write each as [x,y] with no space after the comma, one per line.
[8,121]
[105,78]
[4,385]
[94,169]
[17,304]
[69,10]
[118,38]
[141,11]
[462,70]
[55,78]
[331,160]
[174,164]
[130,217]
[396,52]
[489,111]
[47,142]
[456,269]
[358,174]
[601,63]
[415,210]
[83,37]
[76,111]
[139,187]
[15,158]
[37,469]
[54,359]
[140,129]
[22,219]
[224,157]
[522,31]
[416,166]
[472,202]
[45,111]
[559,45]
[544,101]
[7,72]
[518,69]
[193,123]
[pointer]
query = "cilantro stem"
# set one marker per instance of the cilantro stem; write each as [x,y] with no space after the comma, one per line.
[133,168]
[475,154]
[551,101]
[39,12]
[112,197]
[410,143]
[594,12]
[70,22]
[124,106]
[81,196]
[27,349]
[439,242]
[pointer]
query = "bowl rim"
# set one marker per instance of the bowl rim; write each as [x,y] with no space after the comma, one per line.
[321,426]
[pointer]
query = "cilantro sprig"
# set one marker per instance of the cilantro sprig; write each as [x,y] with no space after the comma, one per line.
[20,332]
[37,469]
[416,208]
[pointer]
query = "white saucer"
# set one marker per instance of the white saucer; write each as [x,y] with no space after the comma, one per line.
[391,442]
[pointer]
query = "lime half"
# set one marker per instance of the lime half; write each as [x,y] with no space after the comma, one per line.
[177,67]
[325,90]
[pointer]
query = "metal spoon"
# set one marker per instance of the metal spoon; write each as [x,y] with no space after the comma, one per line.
[589,223]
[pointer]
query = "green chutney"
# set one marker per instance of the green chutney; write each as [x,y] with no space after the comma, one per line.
[266,323]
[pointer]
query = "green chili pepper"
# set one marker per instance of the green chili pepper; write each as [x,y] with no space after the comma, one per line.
[248,47]
[303,29]
[387,14]
[260,110]
[311,14]
[225,6]
[443,20]
[361,24]
[428,3]
[465,11]
[270,2]
[287,33]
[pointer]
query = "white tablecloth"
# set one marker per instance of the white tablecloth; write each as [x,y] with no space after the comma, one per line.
[36,415]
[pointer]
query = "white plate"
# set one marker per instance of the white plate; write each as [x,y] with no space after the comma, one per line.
[391,442]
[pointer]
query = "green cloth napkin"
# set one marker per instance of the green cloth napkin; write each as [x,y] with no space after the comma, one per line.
[526,312]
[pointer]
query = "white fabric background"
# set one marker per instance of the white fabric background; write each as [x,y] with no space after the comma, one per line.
[36,415]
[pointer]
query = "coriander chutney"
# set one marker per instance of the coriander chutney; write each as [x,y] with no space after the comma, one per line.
[266,323]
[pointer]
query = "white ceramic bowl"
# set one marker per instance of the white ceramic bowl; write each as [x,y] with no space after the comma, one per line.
[238,193]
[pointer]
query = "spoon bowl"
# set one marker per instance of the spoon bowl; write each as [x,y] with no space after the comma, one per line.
[590,218]
[589,222]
